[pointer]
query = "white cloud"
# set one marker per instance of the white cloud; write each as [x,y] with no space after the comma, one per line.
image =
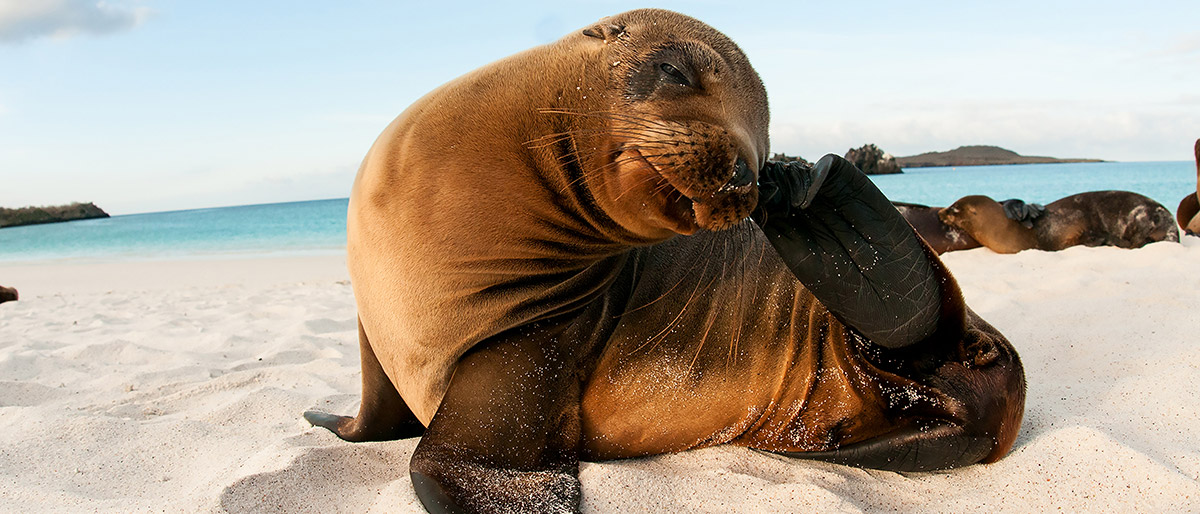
[22,20]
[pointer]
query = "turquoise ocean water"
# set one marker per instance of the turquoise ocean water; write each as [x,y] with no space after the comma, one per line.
[319,226]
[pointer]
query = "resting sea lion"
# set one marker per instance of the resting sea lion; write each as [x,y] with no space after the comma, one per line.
[940,236]
[8,294]
[1188,212]
[552,260]
[1099,218]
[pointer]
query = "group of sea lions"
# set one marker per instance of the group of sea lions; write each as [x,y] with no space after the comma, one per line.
[1098,218]
[581,252]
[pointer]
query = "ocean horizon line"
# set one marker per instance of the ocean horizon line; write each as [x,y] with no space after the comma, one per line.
[982,166]
[228,206]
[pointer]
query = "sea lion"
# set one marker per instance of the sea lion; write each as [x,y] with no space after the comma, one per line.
[1188,212]
[1098,218]
[552,260]
[8,294]
[940,236]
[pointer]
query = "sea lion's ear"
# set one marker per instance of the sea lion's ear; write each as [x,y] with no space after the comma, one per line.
[605,29]
[848,244]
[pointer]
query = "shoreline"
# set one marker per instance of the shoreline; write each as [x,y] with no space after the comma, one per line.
[69,276]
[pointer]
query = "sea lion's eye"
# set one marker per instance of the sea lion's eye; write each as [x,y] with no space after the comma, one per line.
[674,74]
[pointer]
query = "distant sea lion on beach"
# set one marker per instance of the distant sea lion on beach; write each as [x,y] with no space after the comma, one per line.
[552,261]
[1188,212]
[8,294]
[940,236]
[1099,218]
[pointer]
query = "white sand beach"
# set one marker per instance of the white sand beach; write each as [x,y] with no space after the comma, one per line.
[178,386]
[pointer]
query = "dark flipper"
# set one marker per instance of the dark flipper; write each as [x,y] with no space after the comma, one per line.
[506,435]
[909,449]
[1021,212]
[847,244]
[382,416]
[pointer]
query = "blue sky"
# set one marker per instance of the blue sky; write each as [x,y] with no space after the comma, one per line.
[147,105]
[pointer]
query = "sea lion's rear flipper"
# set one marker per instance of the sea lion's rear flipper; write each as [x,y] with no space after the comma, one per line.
[849,245]
[382,415]
[909,449]
[506,435]
[1021,212]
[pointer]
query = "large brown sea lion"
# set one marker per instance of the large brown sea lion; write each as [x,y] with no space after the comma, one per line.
[552,260]
[1188,212]
[940,236]
[1098,218]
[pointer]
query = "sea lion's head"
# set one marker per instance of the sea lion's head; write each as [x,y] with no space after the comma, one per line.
[962,212]
[686,125]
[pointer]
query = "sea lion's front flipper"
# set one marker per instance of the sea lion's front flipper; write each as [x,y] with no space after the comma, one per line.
[382,414]
[506,435]
[849,245]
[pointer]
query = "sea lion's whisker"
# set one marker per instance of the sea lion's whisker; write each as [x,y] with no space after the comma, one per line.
[672,288]
[659,127]
[692,297]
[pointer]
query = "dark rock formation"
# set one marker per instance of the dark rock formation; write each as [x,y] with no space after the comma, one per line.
[54,214]
[787,158]
[872,161]
[978,155]
[8,294]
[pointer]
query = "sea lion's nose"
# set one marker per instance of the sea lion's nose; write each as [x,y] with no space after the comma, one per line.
[742,175]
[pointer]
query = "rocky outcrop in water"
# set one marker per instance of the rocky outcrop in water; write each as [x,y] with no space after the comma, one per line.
[873,161]
[53,214]
[870,159]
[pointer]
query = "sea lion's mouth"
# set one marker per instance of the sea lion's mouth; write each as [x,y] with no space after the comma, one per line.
[683,205]
[741,179]
[673,202]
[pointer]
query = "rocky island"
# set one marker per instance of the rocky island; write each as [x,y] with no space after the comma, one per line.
[870,159]
[978,155]
[53,214]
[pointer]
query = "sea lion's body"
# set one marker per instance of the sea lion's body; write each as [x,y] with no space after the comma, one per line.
[1099,218]
[1188,212]
[940,236]
[8,294]
[552,260]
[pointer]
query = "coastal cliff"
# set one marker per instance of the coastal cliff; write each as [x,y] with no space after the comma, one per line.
[52,214]
[978,155]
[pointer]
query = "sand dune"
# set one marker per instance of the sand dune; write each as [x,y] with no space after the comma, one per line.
[179,385]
